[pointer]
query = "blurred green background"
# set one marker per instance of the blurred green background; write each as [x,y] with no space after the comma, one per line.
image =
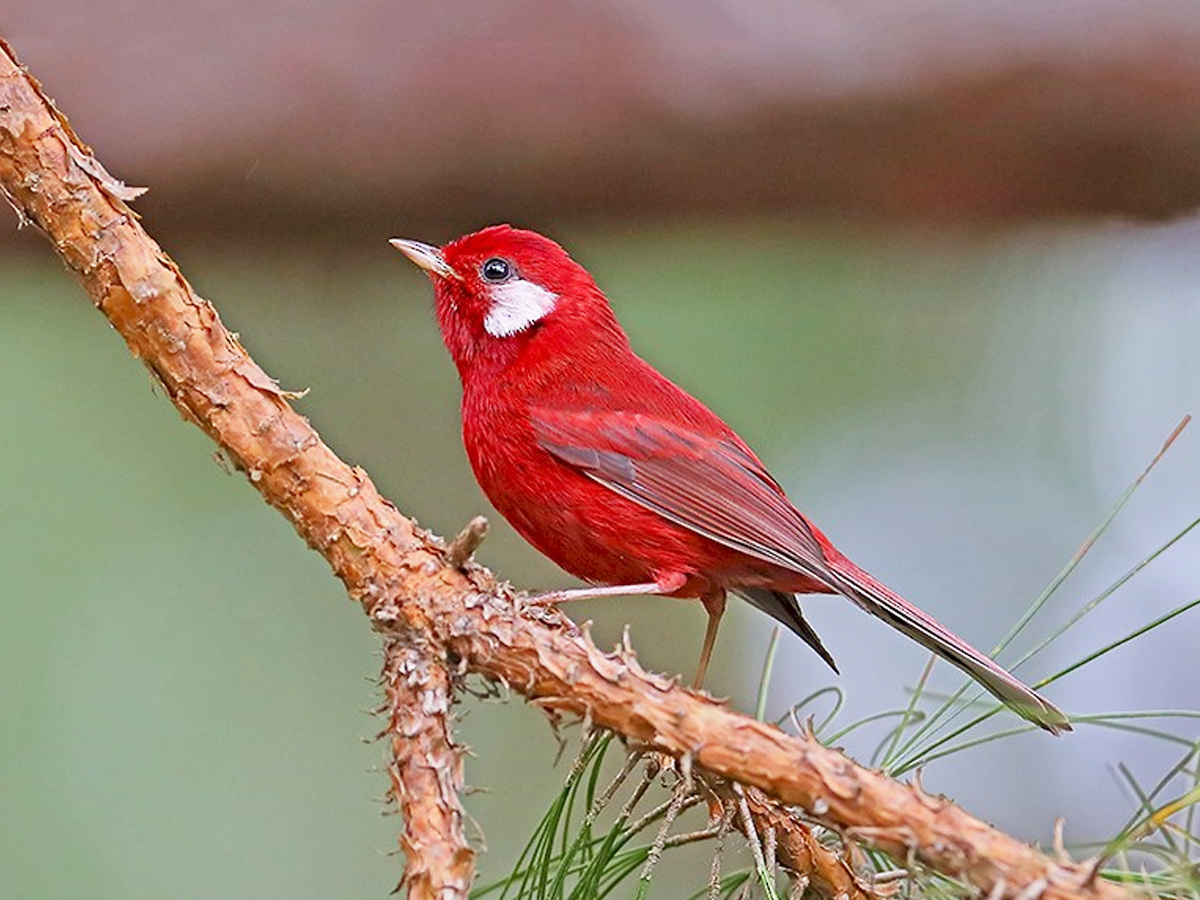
[186,687]
[185,692]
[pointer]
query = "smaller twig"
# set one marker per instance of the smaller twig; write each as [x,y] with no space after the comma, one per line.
[692,837]
[770,844]
[601,802]
[751,833]
[660,840]
[690,800]
[714,875]
[466,542]
[638,793]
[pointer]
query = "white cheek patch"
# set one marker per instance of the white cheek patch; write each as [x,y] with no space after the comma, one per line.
[516,305]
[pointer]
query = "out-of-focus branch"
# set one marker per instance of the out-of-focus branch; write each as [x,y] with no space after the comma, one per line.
[398,573]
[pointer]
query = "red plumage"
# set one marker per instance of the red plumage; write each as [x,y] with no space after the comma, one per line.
[621,477]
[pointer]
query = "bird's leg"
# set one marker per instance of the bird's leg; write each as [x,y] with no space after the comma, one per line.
[553,598]
[667,584]
[714,605]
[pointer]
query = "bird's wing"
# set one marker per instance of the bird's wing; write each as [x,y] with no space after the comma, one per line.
[710,485]
[715,487]
[783,607]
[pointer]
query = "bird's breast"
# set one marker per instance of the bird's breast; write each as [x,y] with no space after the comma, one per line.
[582,526]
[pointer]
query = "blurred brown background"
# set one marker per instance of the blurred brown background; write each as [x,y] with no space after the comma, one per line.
[309,116]
[936,261]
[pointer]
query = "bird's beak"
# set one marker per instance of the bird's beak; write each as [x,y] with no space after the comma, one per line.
[427,257]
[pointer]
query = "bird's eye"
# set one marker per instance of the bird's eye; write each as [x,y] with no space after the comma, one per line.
[496,269]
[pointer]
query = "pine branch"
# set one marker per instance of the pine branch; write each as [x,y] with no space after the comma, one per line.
[440,619]
[426,771]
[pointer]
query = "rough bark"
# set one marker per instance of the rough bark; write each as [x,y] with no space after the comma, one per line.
[426,771]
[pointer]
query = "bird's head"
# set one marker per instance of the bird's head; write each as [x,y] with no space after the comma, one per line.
[505,294]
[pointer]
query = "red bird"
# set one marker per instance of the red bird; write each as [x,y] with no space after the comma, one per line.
[622,478]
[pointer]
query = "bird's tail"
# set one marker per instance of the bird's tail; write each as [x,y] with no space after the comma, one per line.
[783,607]
[878,600]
